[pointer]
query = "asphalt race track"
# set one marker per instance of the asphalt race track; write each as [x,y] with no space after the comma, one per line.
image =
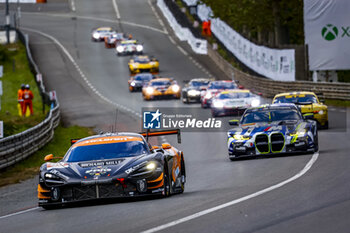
[301,193]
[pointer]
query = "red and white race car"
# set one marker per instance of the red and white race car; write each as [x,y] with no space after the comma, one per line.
[213,89]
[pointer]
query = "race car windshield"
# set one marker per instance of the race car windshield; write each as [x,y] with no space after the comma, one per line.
[106,151]
[142,60]
[161,83]
[222,85]
[143,77]
[272,115]
[237,95]
[296,99]
[198,83]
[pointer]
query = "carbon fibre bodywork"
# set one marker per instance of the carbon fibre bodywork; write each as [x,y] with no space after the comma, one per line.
[159,171]
[272,137]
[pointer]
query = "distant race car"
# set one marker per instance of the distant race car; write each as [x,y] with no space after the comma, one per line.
[113,39]
[143,63]
[233,102]
[214,88]
[137,82]
[112,165]
[308,103]
[129,47]
[100,33]
[192,91]
[161,88]
[272,129]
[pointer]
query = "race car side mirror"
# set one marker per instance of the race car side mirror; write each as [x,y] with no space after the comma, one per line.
[308,116]
[155,147]
[233,122]
[48,157]
[166,146]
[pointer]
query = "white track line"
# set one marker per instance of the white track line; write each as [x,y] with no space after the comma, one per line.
[234,202]
[20,212]
[65,51]
[117,13]
[98,19]
[73,5]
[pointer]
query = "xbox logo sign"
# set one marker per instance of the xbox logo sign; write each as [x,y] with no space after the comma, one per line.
[329,32]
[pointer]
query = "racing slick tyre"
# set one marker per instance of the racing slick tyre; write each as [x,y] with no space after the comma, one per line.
[326,125]
[166,183]
[316,142]
[183,175]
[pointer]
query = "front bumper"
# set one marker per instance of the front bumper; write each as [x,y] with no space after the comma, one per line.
[99,189]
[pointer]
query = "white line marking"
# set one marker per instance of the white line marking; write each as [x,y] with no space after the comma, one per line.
[99,19]
[172,40]
[117,13]
[182,50]
[231,203]
[20,212]
[73,5]
[78,69]
[157,16]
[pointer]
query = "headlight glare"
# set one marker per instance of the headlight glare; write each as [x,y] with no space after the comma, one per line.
[175,88]
[255,103]
[120,49]
[218,104]
[139,48]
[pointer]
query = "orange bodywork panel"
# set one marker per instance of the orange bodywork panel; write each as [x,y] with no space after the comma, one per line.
[41,191]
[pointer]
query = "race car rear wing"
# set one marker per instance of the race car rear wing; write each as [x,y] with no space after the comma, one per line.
[156,133]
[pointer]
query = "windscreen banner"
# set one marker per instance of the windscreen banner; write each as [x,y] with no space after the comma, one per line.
[327,34]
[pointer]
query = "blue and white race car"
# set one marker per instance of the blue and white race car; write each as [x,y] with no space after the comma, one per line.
[272,129]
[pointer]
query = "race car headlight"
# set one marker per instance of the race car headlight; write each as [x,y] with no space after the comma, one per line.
[120,49]
[217,104]
[255,103]
[139,48]
[151,166]
[176,88]
[321,112]
[241,137]
[149,90]
[193,92]
[96,35]
[132,84]
[208,95]
[51,176]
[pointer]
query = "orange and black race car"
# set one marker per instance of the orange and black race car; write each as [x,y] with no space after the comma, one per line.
[112,165]
[160,88]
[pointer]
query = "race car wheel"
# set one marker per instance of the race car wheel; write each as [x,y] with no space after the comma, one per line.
[316,142]
[166,184]
[183,175]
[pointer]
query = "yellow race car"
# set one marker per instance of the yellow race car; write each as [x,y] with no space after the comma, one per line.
[308,103]
[143,63]
[161,87]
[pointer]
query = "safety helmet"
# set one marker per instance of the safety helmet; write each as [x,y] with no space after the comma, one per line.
[27,86]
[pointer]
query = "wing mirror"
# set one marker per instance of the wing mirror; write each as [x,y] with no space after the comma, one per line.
[233,122]
[155,147]
[166,146]
[50,157]
[308,116]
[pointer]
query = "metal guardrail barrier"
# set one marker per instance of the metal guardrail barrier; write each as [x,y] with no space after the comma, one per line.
[19,146]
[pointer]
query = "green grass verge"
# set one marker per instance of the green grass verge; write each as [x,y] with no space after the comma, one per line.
[338,103]
[16,71]
[29,167]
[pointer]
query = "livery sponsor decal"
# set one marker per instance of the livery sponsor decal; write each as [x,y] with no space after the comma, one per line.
[102,163]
